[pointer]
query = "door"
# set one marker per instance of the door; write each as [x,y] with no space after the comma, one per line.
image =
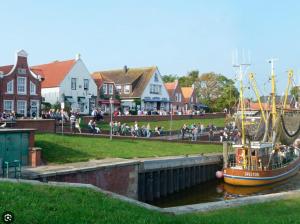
[12,147]
[34,108]
[158,106]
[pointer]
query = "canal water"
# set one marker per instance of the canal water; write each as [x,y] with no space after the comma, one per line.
[217,190]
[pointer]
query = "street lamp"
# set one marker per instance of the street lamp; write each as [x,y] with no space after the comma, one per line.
[111,124]
[171,114]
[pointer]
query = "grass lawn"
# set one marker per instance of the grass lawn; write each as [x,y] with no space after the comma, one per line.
[176,124]
[65,149]
[35,204]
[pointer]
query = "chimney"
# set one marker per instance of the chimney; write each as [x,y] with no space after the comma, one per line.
[125,68]
[77,56]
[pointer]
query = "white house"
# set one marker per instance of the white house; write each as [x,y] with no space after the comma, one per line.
[139,88]
[68,81]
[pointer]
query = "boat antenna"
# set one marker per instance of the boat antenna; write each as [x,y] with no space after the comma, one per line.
[241,69]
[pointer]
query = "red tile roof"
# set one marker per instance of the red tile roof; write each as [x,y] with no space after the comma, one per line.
[6,69]
[171,86]
[53,73]
[187,93]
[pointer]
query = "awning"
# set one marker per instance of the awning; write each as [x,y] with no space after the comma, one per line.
[201,106]
[156,100]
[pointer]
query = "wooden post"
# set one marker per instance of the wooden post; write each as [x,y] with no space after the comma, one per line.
[225,154]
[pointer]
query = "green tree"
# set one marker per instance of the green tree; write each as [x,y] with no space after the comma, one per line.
[295,91]
[216,91]
[169,78]
[189,79]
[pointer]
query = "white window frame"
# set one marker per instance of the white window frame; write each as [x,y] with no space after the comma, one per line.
[19,85]
[32,88]
[25,107]
[73,83]
[104,88]
[10,87]
[4,106]
[86,84]
[111,89]
[126,89]
[118,88]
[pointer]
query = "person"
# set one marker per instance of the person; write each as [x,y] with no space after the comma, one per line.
[183,131]
[95,128]
[72,122]
[210,134]
[194,133]
[90,125]
[77,124]
[148,128]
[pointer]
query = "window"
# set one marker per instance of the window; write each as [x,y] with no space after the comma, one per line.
[32,88]
[127,89]
[192,99]
[156,78]
[8,106]
[104,88]
[119,88]
[22,71]
[73,83]
[86,84]
[21,81]
[10,87]
[21,107]
[155,89]
[111,89]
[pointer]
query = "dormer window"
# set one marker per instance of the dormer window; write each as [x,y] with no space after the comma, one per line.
[111,89]
[118,88]
[10,87]
[104,88]
[127,89]
[32,88]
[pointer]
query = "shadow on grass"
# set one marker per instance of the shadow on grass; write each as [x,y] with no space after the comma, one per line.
[56,153]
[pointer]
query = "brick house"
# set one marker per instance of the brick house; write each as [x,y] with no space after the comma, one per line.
[176,96]
[106,89]
[189,98]
[20,88]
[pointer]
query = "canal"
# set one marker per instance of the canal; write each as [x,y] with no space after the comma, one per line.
[217,190]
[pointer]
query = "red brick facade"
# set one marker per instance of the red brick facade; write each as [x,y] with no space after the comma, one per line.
[32,100]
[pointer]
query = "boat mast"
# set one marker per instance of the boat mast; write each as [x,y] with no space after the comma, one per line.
[290,76]
[273,93]
[242,104]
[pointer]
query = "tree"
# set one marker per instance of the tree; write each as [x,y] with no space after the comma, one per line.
[189,79]
[169,78]
[295,91]
[216,91]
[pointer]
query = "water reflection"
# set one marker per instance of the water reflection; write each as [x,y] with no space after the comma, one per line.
[218,190]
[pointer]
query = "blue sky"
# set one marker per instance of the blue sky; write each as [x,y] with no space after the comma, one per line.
[177,36]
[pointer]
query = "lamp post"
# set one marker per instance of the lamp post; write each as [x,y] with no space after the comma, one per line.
[62,107]
[111,124]
[171,119]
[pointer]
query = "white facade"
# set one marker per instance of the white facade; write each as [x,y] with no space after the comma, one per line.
[79,97]
[152,99]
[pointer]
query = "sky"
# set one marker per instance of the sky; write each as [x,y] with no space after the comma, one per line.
[177,36]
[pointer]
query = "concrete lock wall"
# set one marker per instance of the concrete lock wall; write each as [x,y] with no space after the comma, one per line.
[161,178]
[144,180]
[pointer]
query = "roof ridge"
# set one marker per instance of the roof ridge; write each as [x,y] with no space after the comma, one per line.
[53,62]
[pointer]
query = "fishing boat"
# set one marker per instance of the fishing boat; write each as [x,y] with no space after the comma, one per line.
[276,155]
